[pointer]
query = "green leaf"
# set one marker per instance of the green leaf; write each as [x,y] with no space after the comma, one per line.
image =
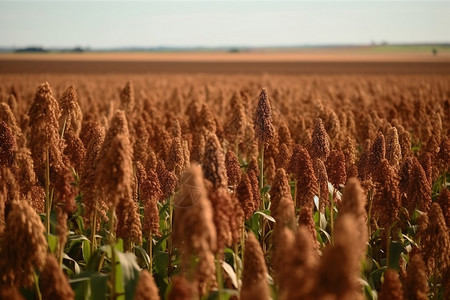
[229,270]
[144,256]
[86,248]
[129,272]
[395,250]
[76,266]
[52,242]
[322,221]
[265,215]
[161,263]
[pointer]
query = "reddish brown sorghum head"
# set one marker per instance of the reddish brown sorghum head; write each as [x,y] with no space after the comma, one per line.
[233,168]
[416,283]
[7,145]
[335,165]
[264,130]
[214,163]
[254,278]
[320,145]
[71,114]
[391,289]
[146,288]
[24,246]
[53,283]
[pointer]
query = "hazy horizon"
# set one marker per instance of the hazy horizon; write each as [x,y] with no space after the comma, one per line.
[216,24]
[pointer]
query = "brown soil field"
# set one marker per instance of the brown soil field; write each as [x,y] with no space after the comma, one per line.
[225,63]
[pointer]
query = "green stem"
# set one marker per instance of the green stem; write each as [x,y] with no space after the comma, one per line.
[47,191]
[219,276]
[94,229]
[261,171]
[112,241]
[295,197]
[236,265]
[332,218]
[150,252]
[388,250]
[369,213]
[36,285]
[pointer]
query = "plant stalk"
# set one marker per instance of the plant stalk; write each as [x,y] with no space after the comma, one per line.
[112,242]
[219,276]
[48,205]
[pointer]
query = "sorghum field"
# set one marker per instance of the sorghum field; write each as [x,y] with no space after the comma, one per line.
[177,186]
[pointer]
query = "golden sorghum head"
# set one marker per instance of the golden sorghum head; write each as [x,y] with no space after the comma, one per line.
[444,202]
[223,209]
[302,168]
[214,163]
[167,179]
[198,147]
[128,221]
[53,283]
[207,118]
[435,241]
[284,135]
[71,114]
[127,101]
[283,241]
[280,188]
[255,188]
[140,146]
[7,116]
[301,266]
[150,194]
[354,203]
[61,228]
[341,281]
[386,200]
[405,143]
[10,293]
[175,160]
[320,145]
[146,288]
[181,289]
[262,122]
[284,213]
[425,162]
[335,165]
[244,193]
[7,145]
[194,232]
[93,136]
[444,154]
[44,131]
[254,278]
[419,189]
[377,152]
[11,100]
[306,218]
[393,149]
[416,283]
[24,246]
[194,229]
[391,289]
[114,169]
[237,119]
[74,150]
[233,168]
[283,157]
[322,180]
[24,171]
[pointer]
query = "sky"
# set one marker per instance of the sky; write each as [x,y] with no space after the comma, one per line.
[110,24]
